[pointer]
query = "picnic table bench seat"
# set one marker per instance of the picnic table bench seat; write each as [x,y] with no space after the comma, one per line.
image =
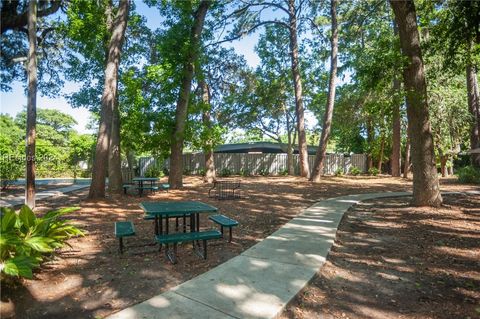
[224,221]
[123,229]
[165,187]
[176,238]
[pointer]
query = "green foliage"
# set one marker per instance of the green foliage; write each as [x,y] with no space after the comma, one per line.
[283,172]
[373,171]
[154,171]
[264,172]
[339,172]
[81,148]
[225,172]
[245,172]
[26,240]
[354,171]
[469,174]
[11,157]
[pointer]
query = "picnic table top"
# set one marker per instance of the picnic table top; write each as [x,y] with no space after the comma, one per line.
[142,179]
[176,207]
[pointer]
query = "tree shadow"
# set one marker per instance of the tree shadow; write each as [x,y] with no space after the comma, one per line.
[93,279]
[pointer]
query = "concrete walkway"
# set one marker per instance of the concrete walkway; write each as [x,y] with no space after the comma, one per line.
[263,279]
[19,200]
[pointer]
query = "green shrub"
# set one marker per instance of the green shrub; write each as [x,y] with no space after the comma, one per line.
[187,172]
[26,240]
[355,171]
[202,172]
[10,171]
[225,172]
[283,172]
[264,172]
[339,172]
[373,171]
[469,174]
[153,171]
[245,172]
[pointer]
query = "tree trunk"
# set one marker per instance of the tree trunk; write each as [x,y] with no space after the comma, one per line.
[97,188]
[406,166]
[176,161]
[370,137]
[396,131]
[473,107]
[396,123]
[207,124]
[297,80]
[426,190]
[290,167]
[327,119]
[31,104]
[443,165]
[382,149]
[115,182]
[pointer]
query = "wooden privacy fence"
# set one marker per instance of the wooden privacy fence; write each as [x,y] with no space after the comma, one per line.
[257,164]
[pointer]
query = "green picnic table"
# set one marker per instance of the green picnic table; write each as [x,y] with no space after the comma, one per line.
[176,209]
[141,180]
[164,210]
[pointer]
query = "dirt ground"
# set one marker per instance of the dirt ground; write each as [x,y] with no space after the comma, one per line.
[390,260]
[92,279]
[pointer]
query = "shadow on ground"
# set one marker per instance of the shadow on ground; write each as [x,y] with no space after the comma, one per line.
[390,260]
[91,279]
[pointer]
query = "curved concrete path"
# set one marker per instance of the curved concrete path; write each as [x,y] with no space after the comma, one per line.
[263,279]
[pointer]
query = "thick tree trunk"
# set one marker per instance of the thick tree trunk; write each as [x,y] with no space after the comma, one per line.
[31,104]
[207,123]
[297,80]
[97,188]
[327,119]
[115,182]
[474,109]
[426,190]
[406,162]
[176,161]
[396,131]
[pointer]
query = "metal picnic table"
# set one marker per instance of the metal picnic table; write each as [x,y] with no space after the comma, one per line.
[141,180]
[164,210]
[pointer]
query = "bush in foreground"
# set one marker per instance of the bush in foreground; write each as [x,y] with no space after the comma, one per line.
[27,240]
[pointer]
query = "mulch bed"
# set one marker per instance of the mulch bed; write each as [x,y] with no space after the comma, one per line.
[390,260]
[92,280]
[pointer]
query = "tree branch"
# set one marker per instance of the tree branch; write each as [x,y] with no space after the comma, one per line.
[15,21]
[249,31]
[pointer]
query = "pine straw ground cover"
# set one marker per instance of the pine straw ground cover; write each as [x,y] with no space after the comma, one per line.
[92,280]
[390,260]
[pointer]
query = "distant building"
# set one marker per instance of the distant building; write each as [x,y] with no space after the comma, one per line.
[259,147]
